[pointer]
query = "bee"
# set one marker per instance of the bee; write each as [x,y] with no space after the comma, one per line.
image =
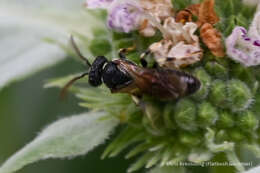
[124,76]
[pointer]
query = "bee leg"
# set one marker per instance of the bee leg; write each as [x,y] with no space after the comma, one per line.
[138,101]
[124,51]
[142,58]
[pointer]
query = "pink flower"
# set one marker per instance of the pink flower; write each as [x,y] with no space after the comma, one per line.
[243,48]
[124,17]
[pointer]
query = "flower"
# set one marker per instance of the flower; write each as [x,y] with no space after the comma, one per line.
[124,17]
[181,49]
[92,4]
[159,10]
[243,46]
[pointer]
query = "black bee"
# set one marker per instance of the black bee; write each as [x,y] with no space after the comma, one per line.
[124,76]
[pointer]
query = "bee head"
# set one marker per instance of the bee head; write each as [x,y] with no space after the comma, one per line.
[96,70]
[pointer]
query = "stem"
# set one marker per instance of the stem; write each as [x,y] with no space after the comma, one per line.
[233,159]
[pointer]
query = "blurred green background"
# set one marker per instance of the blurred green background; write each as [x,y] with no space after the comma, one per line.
[26,107]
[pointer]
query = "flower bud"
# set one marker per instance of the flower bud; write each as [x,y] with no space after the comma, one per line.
[218,94]
[189,139]
[236,134]
[226,120]
[205,80]
[216,70]
[185,115]
[207,114]
[247,121]
[239,95]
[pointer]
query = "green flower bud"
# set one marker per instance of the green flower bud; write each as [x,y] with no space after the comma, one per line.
[239,95]
[205,80]
[185,115]
[246,75]
[226,120]
[247,121]
[207,114]
[189,139]
[216,70]
[100,47]
[218,94]
[236,134]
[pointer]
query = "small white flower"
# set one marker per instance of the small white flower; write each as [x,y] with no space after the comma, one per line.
[243,46]
[181,49]
[159,10]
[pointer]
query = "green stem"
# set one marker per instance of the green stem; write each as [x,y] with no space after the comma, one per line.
[233,159]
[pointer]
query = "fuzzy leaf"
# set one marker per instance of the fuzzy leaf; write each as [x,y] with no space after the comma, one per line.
[25,23]
[68,137]
[254,170]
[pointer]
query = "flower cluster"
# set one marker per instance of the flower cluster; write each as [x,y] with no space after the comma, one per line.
[180,46]
[217,118]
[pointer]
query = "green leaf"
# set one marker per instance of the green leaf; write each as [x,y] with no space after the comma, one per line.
[67,137]
[25,23]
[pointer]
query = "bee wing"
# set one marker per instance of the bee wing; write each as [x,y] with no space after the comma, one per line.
[163,83]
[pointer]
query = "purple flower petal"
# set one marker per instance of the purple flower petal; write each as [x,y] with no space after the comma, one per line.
[242,48]
[124,17]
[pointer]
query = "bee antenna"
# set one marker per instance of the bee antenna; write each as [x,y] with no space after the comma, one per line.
[74,45]
[64,90]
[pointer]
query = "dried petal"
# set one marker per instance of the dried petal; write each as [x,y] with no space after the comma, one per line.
[98,3]
[212,39]
[183,16]
[186,15]
[204,11]
[207,13]
[242,48]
